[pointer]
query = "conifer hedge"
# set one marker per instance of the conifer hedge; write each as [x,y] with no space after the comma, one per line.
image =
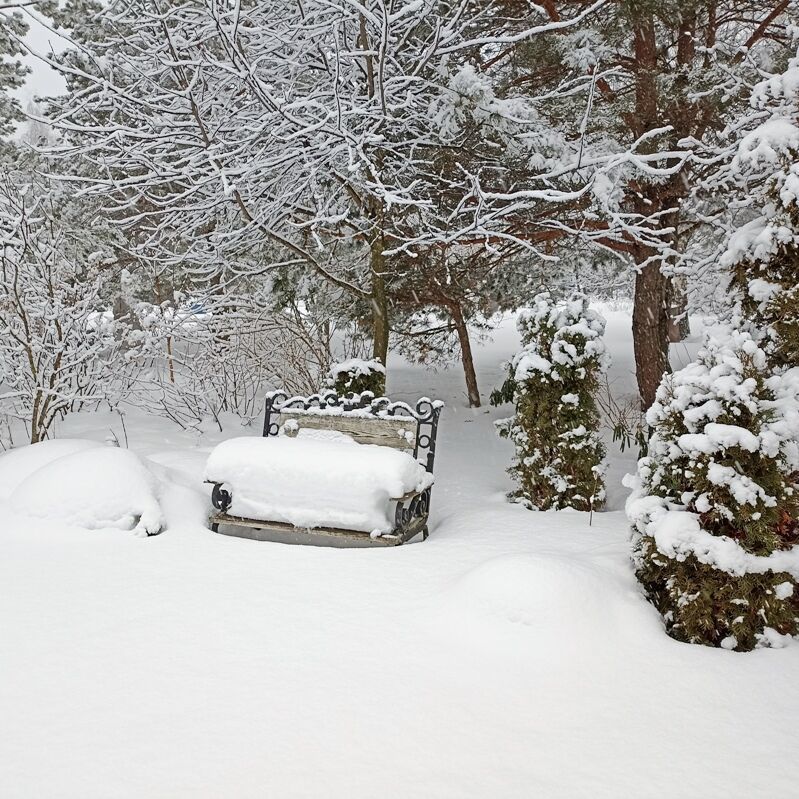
[714,512]
[763,255]
[552,382]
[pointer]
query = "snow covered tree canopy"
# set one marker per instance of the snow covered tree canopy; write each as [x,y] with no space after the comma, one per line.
[302,124]
[330,152]
[331,137]
[12,72]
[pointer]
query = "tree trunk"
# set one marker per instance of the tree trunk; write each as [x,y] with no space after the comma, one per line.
[679,327]
[650,331]
[379,299]
[650,316]
[379,302]
[36,433]
[466,355]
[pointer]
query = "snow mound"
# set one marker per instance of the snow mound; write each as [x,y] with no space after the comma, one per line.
[560,599]
[313,482]
[18,464]
[94,488]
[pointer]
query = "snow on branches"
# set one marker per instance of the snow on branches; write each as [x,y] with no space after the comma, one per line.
[329,137]
[552,381]
[763,254]
[56,345]
[716,504]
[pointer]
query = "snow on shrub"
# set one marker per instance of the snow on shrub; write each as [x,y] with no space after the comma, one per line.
[94,488]
[714,512]
[764,254]
[357,376]
[21,462]
[552,381]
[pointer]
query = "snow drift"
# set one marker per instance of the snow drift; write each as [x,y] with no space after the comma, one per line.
[18,464]
[92,487]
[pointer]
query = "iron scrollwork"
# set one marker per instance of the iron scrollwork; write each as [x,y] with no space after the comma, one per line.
[417,507]
[426,412]
[220,498]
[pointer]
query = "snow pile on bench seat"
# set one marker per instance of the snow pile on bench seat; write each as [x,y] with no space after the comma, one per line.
[19,463]
[312,482]
[95,488]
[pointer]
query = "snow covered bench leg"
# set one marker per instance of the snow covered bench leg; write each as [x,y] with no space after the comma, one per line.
[411,515]
[411,518]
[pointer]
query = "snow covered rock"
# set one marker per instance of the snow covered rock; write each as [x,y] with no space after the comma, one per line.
[715,505]
[94,487]
[315,482]
[19,463]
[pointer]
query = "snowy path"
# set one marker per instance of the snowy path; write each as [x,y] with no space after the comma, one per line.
[510,655]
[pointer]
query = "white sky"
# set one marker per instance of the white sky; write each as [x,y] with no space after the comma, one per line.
[42,81]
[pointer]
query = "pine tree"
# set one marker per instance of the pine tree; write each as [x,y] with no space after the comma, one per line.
[12,72]
[662,78]
[715,511]
[764,253]
[552,381]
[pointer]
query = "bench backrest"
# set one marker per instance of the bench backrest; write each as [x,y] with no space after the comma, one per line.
[398,432]
[368,419]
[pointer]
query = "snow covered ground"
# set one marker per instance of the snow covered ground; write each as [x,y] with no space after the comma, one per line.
[510,655]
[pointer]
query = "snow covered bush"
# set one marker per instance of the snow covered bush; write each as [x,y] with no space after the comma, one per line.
[89,486]
[715,509]
[764,253]
[56,351]
[17,464]
[214,359]
[356,376]
[552,381]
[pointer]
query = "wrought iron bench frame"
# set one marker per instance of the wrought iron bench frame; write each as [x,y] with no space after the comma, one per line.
[412,510]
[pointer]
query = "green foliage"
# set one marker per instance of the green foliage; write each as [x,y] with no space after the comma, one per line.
[764,254]
[769,291]
[703,605]
[357,376]
[718,498]
[626,437]
[552,381]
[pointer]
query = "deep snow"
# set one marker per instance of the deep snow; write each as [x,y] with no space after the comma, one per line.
[509,655]
[95,489]
[310,481]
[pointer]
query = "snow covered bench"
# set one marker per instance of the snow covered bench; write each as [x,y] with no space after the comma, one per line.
[355,467]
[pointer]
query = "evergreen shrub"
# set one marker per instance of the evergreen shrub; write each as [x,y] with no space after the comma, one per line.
[355,376]
[552,381]
[714,510]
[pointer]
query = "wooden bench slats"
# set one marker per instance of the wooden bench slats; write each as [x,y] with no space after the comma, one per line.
[388,539]
[396,432]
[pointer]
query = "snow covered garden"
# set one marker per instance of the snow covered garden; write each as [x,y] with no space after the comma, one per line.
[399,399]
